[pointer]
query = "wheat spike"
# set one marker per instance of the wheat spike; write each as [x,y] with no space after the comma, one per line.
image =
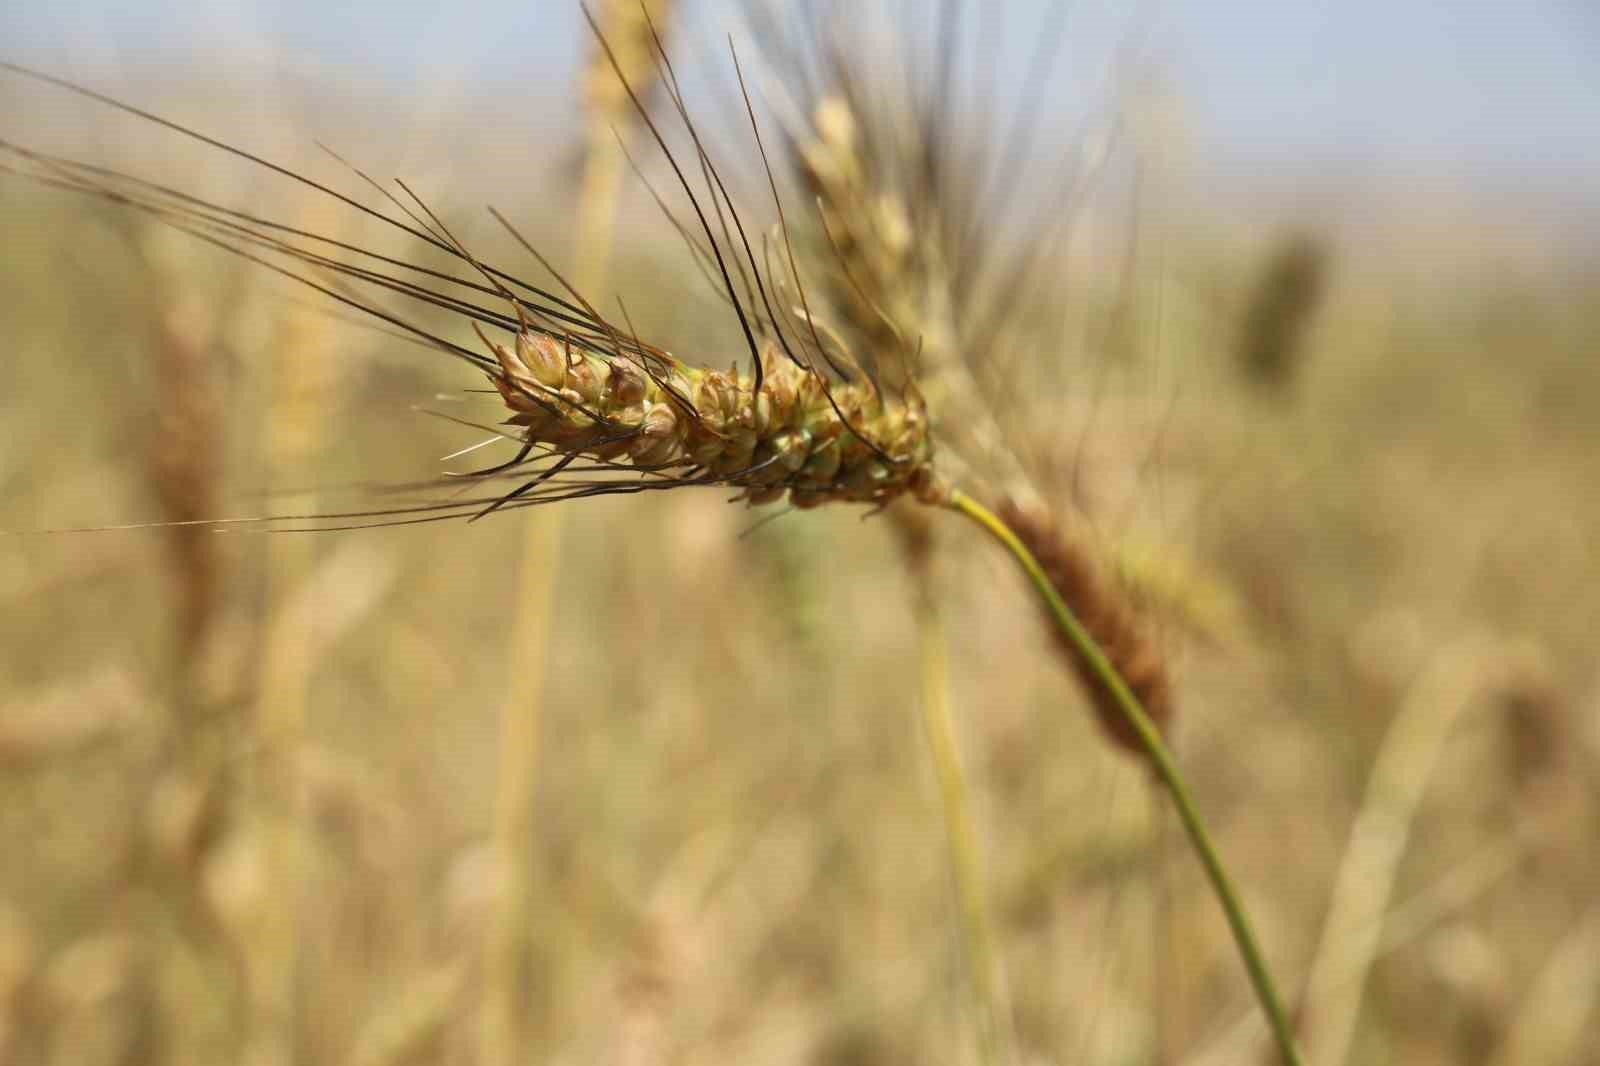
[1108,616]
[793,434]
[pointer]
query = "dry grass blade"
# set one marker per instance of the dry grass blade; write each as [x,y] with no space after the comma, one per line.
[1557,1014]
[1379,836]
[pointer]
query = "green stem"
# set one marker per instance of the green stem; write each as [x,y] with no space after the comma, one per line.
[1160,758]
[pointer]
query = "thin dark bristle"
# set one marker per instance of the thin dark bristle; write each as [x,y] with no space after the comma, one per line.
[649,123]
[755,128]
[713,175]
[251,157]
[204,214]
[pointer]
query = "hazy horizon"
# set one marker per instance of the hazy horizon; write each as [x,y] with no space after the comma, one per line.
[1472,109]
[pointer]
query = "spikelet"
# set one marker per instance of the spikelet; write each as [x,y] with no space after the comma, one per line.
[1108,616]
[793,435]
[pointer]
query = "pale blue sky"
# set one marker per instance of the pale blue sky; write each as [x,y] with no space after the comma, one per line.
[1494,83]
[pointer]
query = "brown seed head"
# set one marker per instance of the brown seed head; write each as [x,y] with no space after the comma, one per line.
[1109,616]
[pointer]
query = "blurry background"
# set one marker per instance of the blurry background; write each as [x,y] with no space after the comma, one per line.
[1318,364]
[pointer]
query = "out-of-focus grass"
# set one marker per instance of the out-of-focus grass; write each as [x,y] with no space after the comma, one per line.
[739,854]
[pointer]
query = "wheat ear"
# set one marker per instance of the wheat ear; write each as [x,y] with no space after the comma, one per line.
[1139,722]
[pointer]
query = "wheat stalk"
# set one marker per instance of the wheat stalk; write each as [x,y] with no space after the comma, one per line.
[631,28]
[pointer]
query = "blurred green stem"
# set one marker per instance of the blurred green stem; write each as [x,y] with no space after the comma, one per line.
[1161,759]
[966,866]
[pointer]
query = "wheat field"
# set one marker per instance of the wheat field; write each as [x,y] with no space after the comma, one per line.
[251,781]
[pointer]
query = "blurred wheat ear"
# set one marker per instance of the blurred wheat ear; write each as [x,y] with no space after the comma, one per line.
[1272,344]
[1109,617]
